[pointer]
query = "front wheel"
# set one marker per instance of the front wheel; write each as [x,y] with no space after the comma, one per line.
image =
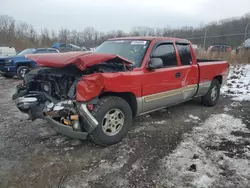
[21,71]
[114,117]
[213,94]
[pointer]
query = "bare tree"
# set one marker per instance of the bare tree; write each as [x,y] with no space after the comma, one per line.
[64,35]
[22,35]
[45,38]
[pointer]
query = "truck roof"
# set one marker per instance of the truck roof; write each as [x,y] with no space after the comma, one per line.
[151,38]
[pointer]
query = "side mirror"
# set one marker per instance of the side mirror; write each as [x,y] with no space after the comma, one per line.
[155,63]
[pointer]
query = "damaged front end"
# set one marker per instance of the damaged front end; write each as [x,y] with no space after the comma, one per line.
[49,93]
[65,88]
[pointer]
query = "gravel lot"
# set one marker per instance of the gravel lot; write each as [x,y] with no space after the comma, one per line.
[188,145]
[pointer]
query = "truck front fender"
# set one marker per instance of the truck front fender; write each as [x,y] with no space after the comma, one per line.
[93,85]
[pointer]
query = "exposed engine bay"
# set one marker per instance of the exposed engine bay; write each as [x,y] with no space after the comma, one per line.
[59,84]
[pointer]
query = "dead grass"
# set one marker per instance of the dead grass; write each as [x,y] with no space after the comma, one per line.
[233,58]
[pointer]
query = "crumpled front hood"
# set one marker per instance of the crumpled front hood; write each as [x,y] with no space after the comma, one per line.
[80,59]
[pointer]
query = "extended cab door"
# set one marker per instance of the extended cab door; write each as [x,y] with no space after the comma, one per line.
[189,70]
[162,87]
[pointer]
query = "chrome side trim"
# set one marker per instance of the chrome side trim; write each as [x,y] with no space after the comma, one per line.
[163,99]
[187,92]
[203,88]
[86,115]
[162,95]
[167,106]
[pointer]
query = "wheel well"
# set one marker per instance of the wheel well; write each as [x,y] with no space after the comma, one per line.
[127,96]
[219,78]
[28,64]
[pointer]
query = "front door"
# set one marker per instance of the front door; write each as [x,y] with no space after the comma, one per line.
[188,70]
[162,87]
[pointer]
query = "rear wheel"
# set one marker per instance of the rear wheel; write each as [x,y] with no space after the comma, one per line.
[114,117]
[21,71]
[213,94]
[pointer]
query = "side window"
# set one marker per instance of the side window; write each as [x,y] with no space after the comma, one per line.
[52,51]
[41,51]
[167,53]
[62,45]
[68,46]
[185,54]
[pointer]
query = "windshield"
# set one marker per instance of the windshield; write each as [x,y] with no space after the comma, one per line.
[133,50]
[25,52]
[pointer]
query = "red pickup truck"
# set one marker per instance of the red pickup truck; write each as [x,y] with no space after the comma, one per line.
[97,94]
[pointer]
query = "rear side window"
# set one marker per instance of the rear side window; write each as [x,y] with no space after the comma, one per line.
[185,54]
[41,51]
[167,53]
[69,46]
[62,45]
[52,51]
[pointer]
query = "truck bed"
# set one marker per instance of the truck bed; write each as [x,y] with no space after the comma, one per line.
[209,68]
[207,60]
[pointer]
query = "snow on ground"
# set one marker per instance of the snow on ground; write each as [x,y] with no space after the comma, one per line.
[238,83]
[202,159]
[194,117]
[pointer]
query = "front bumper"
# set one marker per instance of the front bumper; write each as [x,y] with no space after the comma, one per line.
[37,105]
[8,70]
[66,130]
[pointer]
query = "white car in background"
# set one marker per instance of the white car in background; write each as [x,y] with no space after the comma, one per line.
[7,51]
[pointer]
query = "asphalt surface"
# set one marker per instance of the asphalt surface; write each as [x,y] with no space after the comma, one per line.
[34,155]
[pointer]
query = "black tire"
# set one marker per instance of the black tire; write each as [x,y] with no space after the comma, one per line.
[105,105]
[7,76]
[210,99]
[20,75]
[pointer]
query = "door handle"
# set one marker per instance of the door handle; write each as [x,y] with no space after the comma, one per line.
[178,75]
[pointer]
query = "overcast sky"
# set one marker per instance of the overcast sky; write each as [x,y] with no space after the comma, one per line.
[106,15]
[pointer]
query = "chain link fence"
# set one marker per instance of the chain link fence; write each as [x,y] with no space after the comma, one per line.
[232,39]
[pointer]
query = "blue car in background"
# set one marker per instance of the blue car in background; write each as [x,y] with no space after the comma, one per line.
[66,47]
[19,65]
